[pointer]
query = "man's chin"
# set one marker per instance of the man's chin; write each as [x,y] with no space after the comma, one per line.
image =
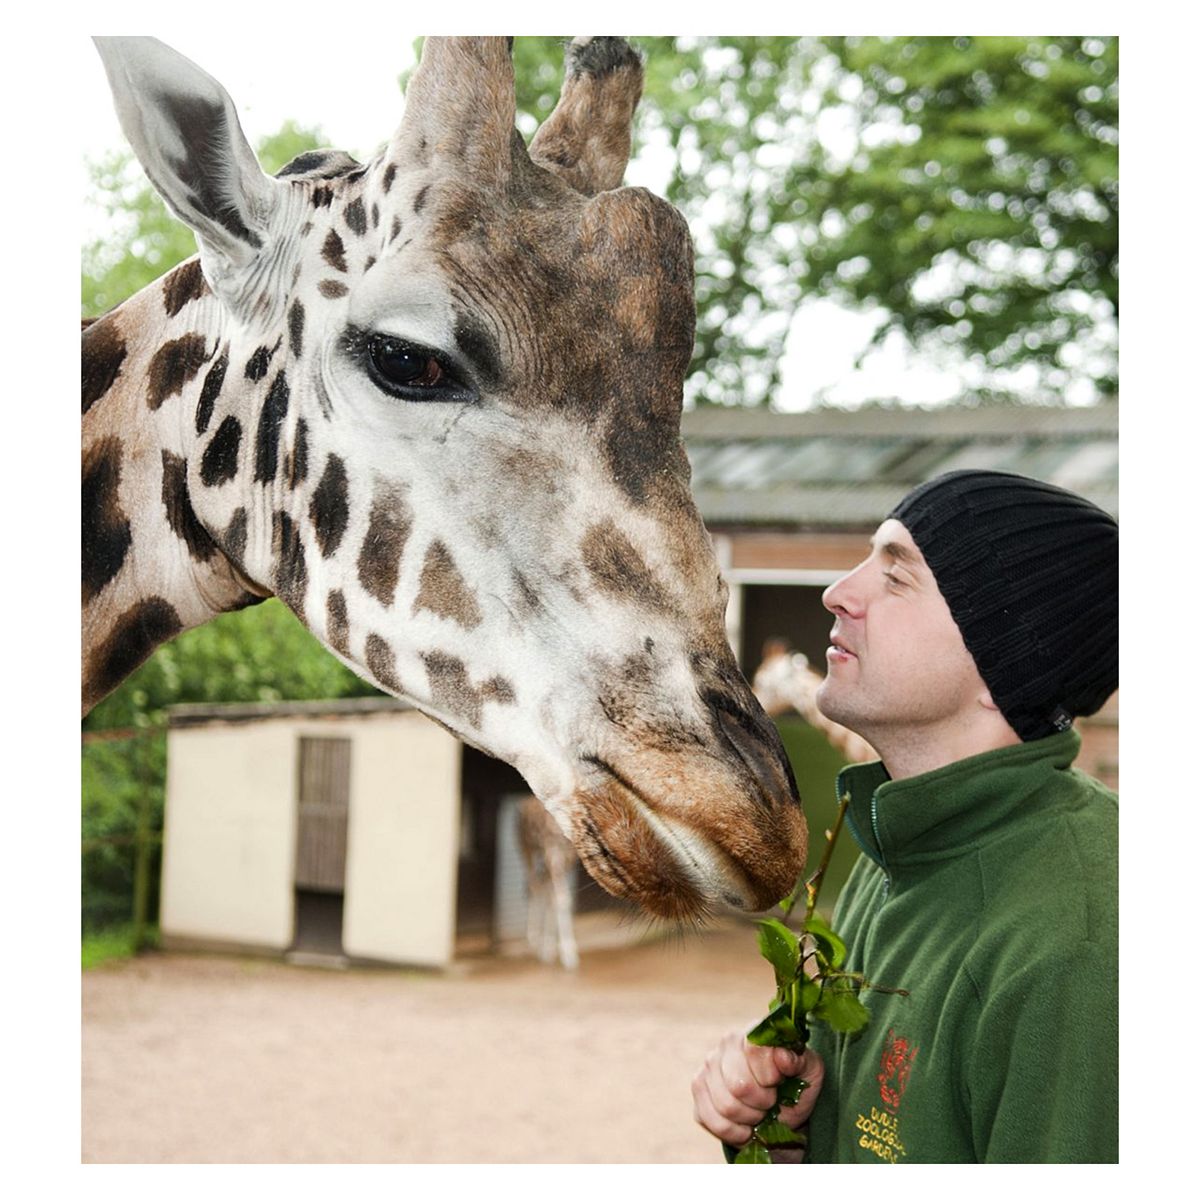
[835,705]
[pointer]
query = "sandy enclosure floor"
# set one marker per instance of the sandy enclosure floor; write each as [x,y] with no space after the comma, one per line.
[191,1058]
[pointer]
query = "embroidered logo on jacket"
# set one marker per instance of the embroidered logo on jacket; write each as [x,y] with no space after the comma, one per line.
[879,1132]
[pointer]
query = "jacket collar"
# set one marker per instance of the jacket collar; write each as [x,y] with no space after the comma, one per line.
[944,812]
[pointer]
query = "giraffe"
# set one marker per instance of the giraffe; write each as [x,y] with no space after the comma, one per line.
[432,403]
[549,858]
[786,681]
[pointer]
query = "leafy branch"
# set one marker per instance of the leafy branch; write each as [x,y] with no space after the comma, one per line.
[810,985]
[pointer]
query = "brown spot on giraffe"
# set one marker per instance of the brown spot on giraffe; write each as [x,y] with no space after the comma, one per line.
[181,516]
[133,637]
[233,539]
[219,462]
[615,564]
[296,465]
[356,216]
[183,285]
[443,590]
[213,382]
[260,362]
[388,528]
[337,622]
[106,535]
[291,572]
[381,662]
[329,509]
[450,687]
[499,690]
[334,251]
[296,328]
[103,353]
[172,366]
[270,425]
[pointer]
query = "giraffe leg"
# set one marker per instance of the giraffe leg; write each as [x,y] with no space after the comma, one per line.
[564,910]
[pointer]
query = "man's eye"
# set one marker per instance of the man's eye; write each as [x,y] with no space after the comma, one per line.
[401,365]
[894,580]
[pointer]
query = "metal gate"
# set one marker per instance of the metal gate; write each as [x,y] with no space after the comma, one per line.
[324,812]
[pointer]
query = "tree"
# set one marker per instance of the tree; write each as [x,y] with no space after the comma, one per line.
[965,188]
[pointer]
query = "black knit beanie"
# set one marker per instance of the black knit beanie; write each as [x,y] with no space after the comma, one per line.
[1029,572]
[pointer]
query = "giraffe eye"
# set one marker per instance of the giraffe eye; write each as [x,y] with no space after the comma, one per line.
[408,371]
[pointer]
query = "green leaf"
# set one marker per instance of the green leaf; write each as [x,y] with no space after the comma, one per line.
[781,948]
[810,994]
[841,1009]
[752,1152]
[829,945]
[775,1029]
[790,1090]
[776,1133]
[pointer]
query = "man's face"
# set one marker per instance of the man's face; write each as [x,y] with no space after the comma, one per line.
[897,663]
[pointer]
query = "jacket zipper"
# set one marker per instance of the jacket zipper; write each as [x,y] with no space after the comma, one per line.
[887,876]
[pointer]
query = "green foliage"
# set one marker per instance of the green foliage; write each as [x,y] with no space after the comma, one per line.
[109,945]
[980,203]
[262,654]
[118,777]
[965,186]
[810,985]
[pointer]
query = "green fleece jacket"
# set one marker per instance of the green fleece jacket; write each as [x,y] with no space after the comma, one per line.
[987,890]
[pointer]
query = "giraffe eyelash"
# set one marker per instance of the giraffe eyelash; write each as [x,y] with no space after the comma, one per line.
[435,376]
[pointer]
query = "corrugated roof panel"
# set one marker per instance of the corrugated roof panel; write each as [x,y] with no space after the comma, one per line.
[1089,463]
[757,464]
[919,460]
[982,456]
[847,469]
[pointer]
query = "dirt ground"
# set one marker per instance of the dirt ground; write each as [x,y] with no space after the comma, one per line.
[194,1058]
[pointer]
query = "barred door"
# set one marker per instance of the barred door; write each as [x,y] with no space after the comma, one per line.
[324,809]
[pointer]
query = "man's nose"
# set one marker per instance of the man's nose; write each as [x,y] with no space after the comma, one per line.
[842,596]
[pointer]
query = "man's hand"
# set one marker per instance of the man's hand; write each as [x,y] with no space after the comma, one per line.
[737,1083]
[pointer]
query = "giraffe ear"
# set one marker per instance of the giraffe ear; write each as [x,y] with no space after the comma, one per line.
[184,129]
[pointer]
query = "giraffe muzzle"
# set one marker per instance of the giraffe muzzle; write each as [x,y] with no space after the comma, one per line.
[684,839]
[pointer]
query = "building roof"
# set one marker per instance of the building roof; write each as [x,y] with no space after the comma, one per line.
[182,715]
[840,469]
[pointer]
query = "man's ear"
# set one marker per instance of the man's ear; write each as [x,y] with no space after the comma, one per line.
[184,129]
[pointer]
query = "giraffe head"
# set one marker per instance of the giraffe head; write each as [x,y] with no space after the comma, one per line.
[433,404]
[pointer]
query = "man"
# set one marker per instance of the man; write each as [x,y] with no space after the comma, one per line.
[982,623]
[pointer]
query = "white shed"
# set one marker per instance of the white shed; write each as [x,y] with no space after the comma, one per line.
[333,827]
[345,829]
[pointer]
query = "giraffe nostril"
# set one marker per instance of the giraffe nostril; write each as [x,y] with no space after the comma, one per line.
[756,742]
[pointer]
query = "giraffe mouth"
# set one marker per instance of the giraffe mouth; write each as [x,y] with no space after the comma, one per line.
[634,853]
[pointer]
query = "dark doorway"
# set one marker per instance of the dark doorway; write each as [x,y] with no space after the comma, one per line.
[323,811]
[790,611]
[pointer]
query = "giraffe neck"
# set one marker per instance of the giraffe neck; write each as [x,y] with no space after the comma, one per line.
[151,569]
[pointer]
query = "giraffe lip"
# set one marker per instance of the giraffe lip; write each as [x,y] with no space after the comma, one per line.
[634,852]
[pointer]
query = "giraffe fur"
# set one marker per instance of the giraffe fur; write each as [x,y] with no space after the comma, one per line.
[431,402]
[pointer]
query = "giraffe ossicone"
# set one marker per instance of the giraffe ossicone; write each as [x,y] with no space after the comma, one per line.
[432,403]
